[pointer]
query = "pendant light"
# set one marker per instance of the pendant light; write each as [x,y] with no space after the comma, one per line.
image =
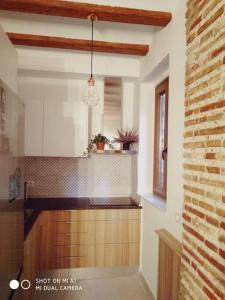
[90,95]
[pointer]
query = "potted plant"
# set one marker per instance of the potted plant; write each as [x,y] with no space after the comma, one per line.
[99,140]
[127,137]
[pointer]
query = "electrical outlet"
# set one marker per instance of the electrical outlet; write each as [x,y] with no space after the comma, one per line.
[178,218]
[31,183]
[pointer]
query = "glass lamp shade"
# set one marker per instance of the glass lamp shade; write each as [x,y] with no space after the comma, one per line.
[90,95]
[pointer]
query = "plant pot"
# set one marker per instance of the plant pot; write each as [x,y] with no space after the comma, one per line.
[126,146]
[100,146]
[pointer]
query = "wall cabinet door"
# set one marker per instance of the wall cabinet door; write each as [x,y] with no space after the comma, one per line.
[45,243]
[56,128]
[34,113]
[65,128]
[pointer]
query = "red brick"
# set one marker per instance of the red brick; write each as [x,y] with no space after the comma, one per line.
[194,190]
[212,221]
[194,266]
[214,262]
[210,155]
[206,206]
[217,51]
[186,217]
[222,225]
[210,21]
[196,22]
[193,232]
[195,211]
[222,253]
[185,258]
[211,131]
[200,261]
[211,246]
[189,113]
[212,106]
[210,284]
[214,170]
[209,294]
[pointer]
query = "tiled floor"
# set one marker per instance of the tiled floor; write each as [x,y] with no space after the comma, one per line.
[129,287]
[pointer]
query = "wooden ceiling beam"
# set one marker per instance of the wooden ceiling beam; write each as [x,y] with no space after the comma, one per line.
[82,10]
[77,44]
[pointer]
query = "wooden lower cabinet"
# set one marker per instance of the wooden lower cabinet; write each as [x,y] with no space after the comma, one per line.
[110,255]
[89,238]
[31,266]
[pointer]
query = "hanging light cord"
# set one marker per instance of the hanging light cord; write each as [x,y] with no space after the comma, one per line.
[92,43]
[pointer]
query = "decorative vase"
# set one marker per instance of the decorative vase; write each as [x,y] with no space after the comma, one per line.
[126,146]
[100,146]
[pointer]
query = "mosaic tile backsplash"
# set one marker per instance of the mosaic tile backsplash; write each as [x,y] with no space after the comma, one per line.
[98,176]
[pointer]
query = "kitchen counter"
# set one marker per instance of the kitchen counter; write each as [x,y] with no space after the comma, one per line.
[80,203]
[76,203]
[54,203]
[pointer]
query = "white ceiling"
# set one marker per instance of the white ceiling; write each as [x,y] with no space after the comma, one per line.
[163,5]
[75,28]
[33,58]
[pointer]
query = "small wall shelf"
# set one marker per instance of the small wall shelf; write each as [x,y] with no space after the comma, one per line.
[114,152]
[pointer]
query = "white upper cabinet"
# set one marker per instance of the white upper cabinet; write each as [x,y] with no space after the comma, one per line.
[56,120]
[8,61]
[56,128]
[34,114]
[65,128]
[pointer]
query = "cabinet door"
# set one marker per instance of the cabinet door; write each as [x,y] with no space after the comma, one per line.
[65,128]
[46,239]
[31,266]
[34,127]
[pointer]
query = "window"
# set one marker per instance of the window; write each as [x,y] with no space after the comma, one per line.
[160,142]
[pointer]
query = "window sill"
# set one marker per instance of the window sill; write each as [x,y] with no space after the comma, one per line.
[154,200]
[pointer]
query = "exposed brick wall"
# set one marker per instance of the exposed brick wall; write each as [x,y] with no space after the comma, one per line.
[203,257]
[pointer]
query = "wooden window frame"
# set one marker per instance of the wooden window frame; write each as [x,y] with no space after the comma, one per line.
[162,88]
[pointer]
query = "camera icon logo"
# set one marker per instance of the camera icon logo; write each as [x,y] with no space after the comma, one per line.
[25,284]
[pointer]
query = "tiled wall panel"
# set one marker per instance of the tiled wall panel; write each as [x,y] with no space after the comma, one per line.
[203,258]
[69,177]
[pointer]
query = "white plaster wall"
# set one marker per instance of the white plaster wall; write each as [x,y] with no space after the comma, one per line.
[136,115]
[170,40]
[146,138]
[8,61]
[74,63]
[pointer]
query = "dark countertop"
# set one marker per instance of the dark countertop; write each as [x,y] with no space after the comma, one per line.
[53,203]
[80,203]
[56,203]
